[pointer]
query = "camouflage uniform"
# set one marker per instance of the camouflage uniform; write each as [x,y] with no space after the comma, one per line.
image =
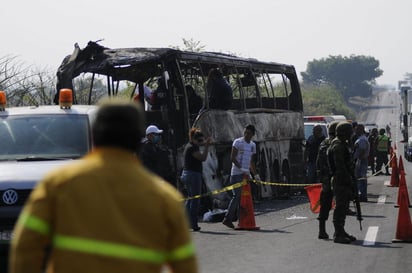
[341,163]
[324,174]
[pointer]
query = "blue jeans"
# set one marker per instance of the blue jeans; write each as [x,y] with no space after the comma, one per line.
[193,182]
[361,168]
[235,201]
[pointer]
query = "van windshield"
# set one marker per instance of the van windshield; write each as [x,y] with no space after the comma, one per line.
[43,137]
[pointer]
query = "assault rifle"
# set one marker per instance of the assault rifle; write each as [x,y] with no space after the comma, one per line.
[356,201]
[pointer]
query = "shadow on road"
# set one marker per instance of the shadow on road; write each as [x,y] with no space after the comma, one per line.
[379,245]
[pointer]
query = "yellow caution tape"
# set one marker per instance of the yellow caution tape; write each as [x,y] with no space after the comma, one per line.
[228,188]
[280,184]
[389,162]
[240,184]
[244,182]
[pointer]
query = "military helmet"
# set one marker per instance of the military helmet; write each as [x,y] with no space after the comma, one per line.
[332,128]
[382,131]
[344,128]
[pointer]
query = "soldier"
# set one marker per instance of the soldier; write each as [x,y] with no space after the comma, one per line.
[341,164]
[311,152]
[324,174]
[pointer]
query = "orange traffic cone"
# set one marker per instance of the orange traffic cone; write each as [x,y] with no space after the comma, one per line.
[400,167]
[395,173]
[404,225]
[313,192]
[246,213]
[403,189]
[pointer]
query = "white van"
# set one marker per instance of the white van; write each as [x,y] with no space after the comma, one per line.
[34,140]
[338,118]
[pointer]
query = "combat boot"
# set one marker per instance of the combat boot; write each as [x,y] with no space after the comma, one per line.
[341,240]
[351,237]
[340,235]
[322,230]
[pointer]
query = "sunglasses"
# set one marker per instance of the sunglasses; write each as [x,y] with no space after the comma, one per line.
[200,139]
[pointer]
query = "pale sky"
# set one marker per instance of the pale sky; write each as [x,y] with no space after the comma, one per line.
[43,32]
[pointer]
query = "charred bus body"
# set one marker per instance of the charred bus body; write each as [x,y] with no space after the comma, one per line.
[264,94]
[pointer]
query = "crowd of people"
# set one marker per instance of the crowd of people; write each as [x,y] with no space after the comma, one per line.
[63,218]
[340,163]
[81,212]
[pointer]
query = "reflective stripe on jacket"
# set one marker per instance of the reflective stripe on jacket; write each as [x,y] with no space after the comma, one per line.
[103,248]
[382,143]
[103,215]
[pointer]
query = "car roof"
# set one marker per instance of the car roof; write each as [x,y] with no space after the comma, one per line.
[313,124]
[48,109]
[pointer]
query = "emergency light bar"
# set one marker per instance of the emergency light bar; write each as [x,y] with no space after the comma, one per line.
[315,118]
[3,100]
[65,98]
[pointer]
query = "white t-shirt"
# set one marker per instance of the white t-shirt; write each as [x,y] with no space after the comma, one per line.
[244,155]
[147,96]
[147,92]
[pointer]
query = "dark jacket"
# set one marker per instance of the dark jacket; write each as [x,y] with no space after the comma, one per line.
[156,159]
[341,162]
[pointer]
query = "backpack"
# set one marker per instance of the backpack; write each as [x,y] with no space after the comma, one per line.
[330,160]
[322,164]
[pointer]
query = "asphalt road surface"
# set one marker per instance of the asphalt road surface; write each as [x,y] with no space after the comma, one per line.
[287,240]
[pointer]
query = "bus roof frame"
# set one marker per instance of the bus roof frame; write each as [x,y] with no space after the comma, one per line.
[121,63]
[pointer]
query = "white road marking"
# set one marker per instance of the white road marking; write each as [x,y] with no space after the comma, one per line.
[370,236]
[295,217]
[381,199]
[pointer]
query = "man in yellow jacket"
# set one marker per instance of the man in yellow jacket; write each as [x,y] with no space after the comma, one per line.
[104,213]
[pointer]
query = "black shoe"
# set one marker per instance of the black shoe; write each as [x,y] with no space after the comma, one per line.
[196,228]
[347,235]
[350,237]
[341,240]
[350,212]
[323,235]
[228,224]
[387,174]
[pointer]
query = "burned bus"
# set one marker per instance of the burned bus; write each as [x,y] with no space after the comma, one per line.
[265,94]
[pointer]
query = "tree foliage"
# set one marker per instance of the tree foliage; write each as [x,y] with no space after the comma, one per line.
[352,76]
[324,100]
[23,84]
[82,85]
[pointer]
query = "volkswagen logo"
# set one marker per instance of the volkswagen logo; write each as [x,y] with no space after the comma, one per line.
[10,197]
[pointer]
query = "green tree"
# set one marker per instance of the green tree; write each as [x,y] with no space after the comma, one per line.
[23,84]
[352,76]
[324,99]
[82,85]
